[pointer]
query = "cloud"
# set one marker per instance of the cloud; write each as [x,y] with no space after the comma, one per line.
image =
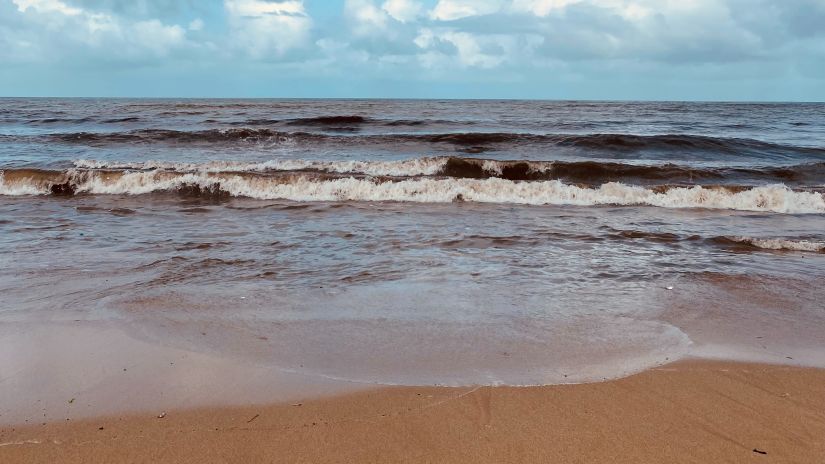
[450,10]
[146,9]
[541,7]
[403,10]
[267,29]
[101,34]
[438,41]
[365,16]
[368,18]
[47,6]
[469,50]
[156,36]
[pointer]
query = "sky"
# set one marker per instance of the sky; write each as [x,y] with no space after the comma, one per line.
[732,50]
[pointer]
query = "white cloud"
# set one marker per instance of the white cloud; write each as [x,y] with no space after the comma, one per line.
[411,39]
[47,6]
[628,9]
[267,29]
[471,50]
[449,10]
[102,32]
[541,7]
[403,10]
[366,18]
[262,8]
[156,36]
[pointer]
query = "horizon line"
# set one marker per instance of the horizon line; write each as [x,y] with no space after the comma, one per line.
[593,100]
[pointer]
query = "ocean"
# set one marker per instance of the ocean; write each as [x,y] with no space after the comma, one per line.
[420,242]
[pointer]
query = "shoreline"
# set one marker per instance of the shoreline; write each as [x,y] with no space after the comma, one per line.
[692,410]
[78,370]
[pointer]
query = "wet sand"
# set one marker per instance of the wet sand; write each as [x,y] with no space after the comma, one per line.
[54,372]
[689,411]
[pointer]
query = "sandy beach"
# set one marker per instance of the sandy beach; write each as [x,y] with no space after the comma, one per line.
[359,280]
[689,411]
[409,231]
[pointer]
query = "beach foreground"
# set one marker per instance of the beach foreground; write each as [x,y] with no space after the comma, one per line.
[689,411]
[253,280]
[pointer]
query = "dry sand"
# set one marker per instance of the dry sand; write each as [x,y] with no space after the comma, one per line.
[690,411]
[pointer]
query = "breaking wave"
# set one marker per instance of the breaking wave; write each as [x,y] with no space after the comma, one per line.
[778,244]
[312,187]
[582,172]
[411,167]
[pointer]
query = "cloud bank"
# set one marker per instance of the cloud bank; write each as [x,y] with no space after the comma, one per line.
[613,49]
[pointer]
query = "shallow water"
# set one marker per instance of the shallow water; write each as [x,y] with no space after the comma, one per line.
[400,242]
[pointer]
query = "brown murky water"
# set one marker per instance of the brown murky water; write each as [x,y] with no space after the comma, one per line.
[417,243]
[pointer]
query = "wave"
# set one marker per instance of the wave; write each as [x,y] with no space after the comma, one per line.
[427,166]
[84,120]
[474,142]
[582,172]
[737,243]
[121,120]
[176,136]
[53,120]
[327,120]
[597,172]
[304,187]
[340,123]
[778,244]
[357,121]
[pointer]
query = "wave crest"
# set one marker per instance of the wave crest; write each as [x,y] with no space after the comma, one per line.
[302,187]
[412,167]
[584,172]
[778,244]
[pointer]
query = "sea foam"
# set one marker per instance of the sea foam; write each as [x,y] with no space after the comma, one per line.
[782,244]
[770,198]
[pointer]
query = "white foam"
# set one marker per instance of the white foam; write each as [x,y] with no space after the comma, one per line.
[492,166]
[496,167]
[771,198]
[427,166]
[783,244]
